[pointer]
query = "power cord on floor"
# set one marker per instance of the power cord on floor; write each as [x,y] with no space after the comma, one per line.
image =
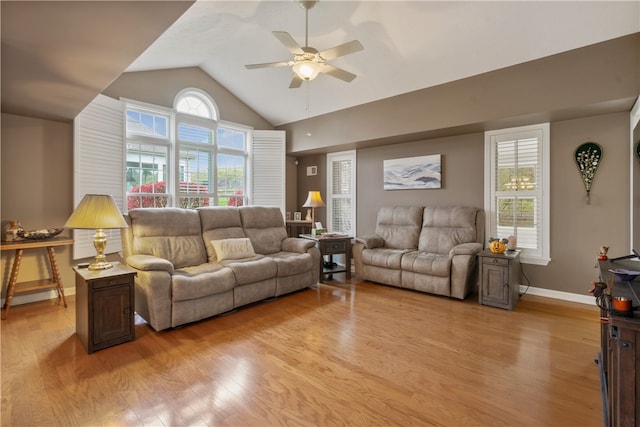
[526,279]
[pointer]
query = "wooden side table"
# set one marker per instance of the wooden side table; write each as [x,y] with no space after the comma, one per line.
[499,279]
[54,282]
[105,307]
[295,228]
[330,246]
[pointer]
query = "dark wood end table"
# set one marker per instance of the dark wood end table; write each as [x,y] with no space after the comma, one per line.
[105,306]
[329,246]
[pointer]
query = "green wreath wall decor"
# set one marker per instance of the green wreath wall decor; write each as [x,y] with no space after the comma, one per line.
[588,157]
[637,150]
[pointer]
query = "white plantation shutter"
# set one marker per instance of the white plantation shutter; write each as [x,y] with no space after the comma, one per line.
[341,191]
[516,200]
[98,151]
[268,168]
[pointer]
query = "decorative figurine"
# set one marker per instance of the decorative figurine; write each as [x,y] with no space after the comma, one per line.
[602,253]
[12,231]
[512,243]
[497,246]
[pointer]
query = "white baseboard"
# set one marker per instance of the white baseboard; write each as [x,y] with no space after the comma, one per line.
[565,296]
[38,296]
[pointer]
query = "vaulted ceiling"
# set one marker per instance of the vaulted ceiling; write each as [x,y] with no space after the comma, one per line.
[57,56]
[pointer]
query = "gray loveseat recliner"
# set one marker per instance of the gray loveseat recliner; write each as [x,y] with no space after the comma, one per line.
[193,264]
[429,249]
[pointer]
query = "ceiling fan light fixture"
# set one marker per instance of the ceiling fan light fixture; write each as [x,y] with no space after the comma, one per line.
[307,69]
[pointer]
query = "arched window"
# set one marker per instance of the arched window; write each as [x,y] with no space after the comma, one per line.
[196,103]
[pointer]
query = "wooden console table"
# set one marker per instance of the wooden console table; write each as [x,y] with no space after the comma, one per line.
[54,282]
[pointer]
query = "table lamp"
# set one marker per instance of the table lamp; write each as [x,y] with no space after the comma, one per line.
[97,212]
[314,200]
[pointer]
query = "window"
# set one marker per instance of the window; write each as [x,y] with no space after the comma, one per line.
[517,188]
[341,192]
[184,157]
[148,143]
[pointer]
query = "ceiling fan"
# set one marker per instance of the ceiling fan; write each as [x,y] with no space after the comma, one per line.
[307,61]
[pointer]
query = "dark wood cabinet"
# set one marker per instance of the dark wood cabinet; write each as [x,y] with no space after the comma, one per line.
[104,307]
[499,276]
[619,359]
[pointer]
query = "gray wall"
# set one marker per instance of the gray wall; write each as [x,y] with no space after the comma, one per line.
[462,176]
[161,87]
[37,189]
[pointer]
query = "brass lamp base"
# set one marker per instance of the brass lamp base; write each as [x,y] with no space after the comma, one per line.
[100,243]
[100,265]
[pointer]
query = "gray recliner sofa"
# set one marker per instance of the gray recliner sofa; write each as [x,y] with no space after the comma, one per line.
[428,249]
[193,264]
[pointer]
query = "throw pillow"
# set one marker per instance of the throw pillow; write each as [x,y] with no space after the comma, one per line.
[233,248]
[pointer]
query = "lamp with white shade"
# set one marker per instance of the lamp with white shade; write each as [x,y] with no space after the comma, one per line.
[314,200]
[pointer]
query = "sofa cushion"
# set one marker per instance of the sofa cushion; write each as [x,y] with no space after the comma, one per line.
[399,226]
[201,280]
[381,257]
[265,227]
[219,222]
[290,263]
[252,270]
[426,263]
[170,233]
[233,248]
[445,227]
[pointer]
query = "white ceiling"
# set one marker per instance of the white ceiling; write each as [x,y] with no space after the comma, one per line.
[409,45]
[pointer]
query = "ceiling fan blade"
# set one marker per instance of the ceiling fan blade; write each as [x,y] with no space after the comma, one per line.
[268,64]
[286,39]
[338,73]
[296,82]
[343,49]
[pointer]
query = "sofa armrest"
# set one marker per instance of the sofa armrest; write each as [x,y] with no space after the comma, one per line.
[297,244]
[149,263]
[371,242]
[465,249]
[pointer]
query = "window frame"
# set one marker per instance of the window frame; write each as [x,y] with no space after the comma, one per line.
[141,139]
[212,126]
[244,152]
[351,156]
[540,255]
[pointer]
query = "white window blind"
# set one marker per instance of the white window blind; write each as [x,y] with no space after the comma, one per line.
[341,183]
[268,168]
[98,165]
[517,198]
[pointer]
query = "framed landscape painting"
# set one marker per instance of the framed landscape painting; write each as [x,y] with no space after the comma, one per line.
[413,173]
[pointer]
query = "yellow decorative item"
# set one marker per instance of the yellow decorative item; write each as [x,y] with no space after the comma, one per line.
[497,247]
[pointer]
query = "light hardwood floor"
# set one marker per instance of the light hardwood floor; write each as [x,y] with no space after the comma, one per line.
[347,353]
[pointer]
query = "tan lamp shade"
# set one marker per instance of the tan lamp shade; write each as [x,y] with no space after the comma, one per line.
[99,212]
